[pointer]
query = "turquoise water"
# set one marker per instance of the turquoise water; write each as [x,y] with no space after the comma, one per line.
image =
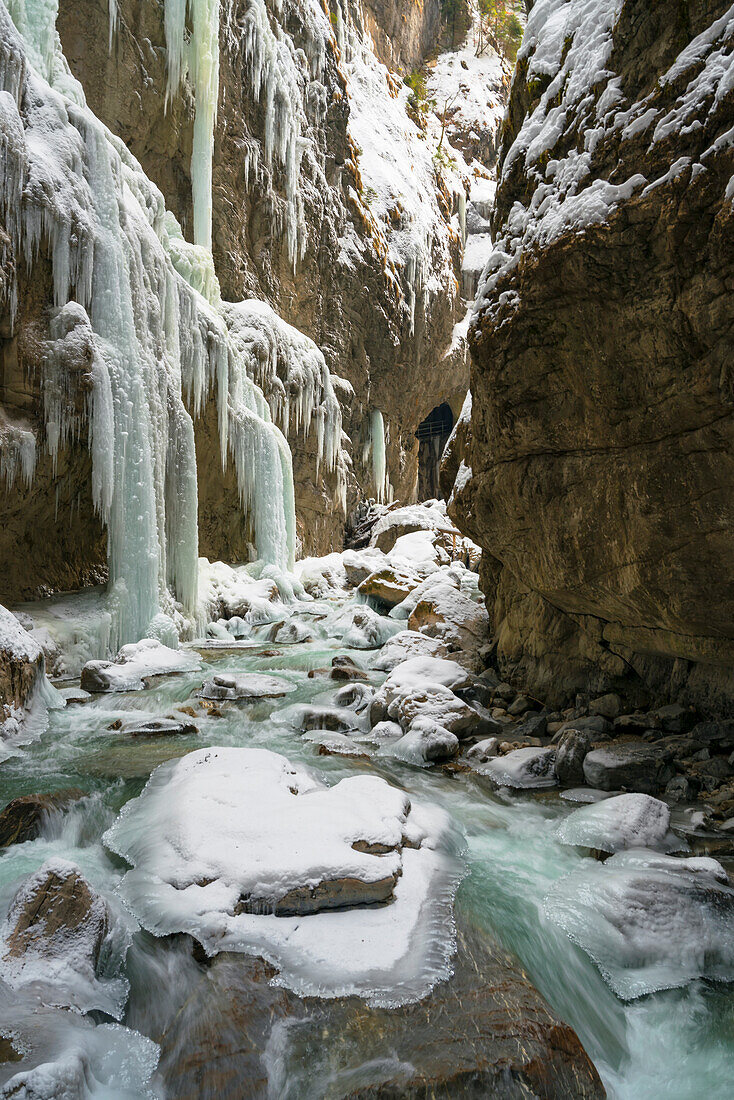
[677,1044]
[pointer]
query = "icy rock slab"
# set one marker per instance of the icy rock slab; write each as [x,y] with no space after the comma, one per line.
[524,769]
[308,716]
[225,838]
[134,664]
[403,646]
[159,727]
[53,940]
[624,821]
[649,921]
[585,794]
[335,744]
[245,685]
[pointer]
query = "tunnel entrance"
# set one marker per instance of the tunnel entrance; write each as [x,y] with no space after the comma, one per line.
[432,435]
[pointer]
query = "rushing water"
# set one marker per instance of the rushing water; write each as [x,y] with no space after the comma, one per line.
[677,1044]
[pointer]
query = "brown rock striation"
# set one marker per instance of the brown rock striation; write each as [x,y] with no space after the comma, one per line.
[602,434]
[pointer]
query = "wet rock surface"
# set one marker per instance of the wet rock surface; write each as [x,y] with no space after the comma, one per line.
[23,818]
[486,1031]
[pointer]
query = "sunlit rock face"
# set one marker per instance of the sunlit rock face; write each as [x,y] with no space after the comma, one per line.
[324,201]
[601,430]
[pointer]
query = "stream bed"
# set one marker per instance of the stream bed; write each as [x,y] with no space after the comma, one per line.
[677,1043]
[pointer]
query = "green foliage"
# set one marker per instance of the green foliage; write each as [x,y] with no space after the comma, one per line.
[418,102]
[500,27]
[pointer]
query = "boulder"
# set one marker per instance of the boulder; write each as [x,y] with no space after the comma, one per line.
[57,913]
[135,664]
[426,742]
[159,727]
[389,585]
[608,706]
[571,750]
[635,766]
[484,1027]
[523,769]
[23,818]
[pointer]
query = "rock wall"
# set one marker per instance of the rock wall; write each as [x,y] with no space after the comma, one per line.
[350,287]
[602,440]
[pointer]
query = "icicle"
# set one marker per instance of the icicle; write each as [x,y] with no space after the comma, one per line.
[198,58]
[378,450]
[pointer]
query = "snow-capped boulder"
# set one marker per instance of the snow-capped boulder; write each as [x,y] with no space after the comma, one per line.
[134,664]
[247,852]
[623,821]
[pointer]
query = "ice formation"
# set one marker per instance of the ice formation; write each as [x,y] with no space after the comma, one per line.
[211,840]
[141,310]
[624,821]
[649,921]
[197,56]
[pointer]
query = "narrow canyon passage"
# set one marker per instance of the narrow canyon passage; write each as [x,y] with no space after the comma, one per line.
[366,549]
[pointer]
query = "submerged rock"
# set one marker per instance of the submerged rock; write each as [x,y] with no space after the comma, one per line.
[484,1032]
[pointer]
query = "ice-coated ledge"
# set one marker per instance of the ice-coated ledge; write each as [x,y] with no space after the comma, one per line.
[347,890]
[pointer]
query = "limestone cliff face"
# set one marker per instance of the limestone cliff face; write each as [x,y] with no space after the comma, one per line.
[322,248]
[602,436]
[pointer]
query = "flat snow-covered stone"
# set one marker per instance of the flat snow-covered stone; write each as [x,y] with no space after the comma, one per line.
[134,664]
[623,821]
[224,839]
[245,685]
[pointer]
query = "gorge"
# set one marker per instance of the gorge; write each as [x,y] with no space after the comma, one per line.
[366,559]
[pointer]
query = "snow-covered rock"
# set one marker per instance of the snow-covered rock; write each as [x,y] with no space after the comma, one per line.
[426,742]
[53,937]
[245,685]
[224,839]
[422,688]
[624,821]
[403,646]
[649,921]
[134,664]
[526,768]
